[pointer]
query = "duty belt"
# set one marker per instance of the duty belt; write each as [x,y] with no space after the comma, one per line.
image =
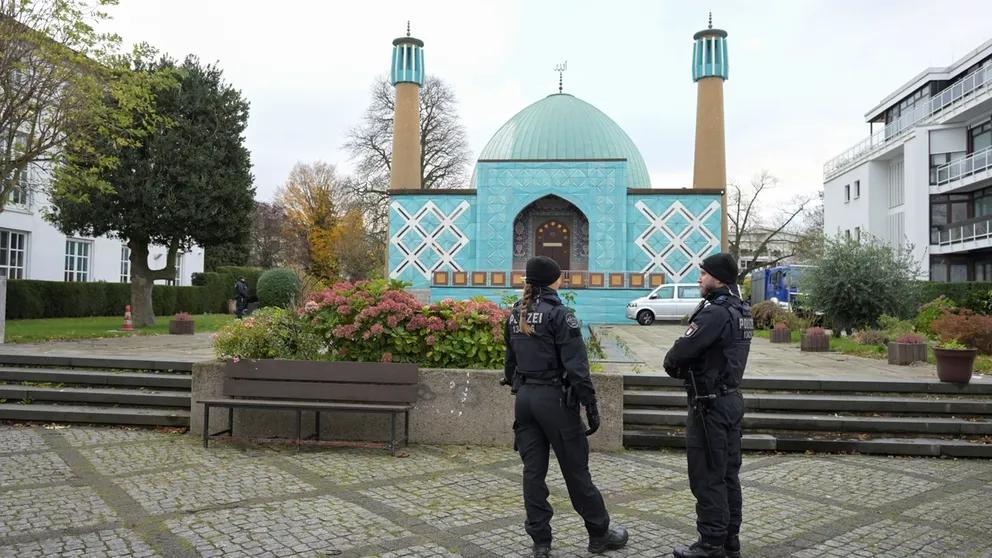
[538,382]
[722,392]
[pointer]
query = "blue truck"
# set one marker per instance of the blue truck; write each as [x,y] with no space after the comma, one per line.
[779,284]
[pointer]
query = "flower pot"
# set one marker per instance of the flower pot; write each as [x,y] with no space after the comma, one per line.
[781,335]
[814,343]
[907,353]
[955,365]
[181,327]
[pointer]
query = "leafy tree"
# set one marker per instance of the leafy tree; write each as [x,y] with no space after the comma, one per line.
[313,199]
[187,183]
[855,283]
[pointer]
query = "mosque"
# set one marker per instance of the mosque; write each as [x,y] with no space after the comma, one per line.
[559,179]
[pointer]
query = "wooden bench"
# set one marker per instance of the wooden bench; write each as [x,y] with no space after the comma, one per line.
[319,386]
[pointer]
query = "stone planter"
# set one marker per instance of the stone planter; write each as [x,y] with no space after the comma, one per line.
[907,353]
[815,343]
[955,365]
[181,327]
[781,335]
[454,406]
[232,306]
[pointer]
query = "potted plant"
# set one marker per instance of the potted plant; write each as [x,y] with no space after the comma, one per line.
[907,349]
[815,340]
[780,333]
[181,324]
[955,361]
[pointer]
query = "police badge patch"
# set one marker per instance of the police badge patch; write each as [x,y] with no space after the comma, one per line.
[571,320]
[693,328]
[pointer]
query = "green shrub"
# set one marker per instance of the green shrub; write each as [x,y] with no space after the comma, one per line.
[268,333]
[974,330]
[870,337]
[30,299]
[971,295]
[894,326]
[278,287]
[767,313]
[929,312]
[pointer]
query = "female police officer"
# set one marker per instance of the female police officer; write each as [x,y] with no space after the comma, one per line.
[547,366]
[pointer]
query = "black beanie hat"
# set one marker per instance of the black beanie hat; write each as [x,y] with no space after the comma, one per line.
[542,271]
[723,266]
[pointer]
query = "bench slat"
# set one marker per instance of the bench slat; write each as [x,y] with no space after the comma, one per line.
[321,391]
[275,404]
[304,370]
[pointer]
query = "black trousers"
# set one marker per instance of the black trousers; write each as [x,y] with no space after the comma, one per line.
[542,421]
[715,480]
[240,304]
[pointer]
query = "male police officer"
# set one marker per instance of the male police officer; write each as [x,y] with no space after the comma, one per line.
[711,356]
[547,366]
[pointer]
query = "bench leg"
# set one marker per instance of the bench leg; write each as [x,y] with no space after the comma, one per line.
[206,423]
[316,424]
[392,433]
[299,427]
[230,421]
[406,428]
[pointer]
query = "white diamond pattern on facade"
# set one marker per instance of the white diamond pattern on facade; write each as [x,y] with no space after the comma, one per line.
[428,239]
[673,254]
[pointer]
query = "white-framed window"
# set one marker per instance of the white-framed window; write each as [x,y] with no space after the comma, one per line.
[847,234]
[179,269]
[13,254]
[125,264]
[857,234]
[847,193]
[77,260]
[857,189]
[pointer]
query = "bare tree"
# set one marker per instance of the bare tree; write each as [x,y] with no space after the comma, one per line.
[267,245]
[753,233]
[444,153]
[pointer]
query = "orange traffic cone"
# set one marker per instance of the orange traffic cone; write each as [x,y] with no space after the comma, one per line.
[128,324]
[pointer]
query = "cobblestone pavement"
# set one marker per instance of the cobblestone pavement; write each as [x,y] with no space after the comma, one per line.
[91,492]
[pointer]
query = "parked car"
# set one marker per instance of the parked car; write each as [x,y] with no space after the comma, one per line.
[667,302]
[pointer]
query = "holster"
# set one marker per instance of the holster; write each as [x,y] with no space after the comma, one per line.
[570,401]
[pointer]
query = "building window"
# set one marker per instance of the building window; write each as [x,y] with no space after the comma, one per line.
[847,233]
[857,189]
[857,234]
[13,249]
[77,260]
[125,264]
[847,193]
[938,269]
[179,269]
[980,136]
[897,189]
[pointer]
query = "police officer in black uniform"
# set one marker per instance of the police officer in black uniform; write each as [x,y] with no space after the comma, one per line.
[711,356]
[547,366]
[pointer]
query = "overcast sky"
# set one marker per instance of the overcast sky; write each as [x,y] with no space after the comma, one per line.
[802,73]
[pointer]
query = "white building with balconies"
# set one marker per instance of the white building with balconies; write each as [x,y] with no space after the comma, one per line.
[922,180]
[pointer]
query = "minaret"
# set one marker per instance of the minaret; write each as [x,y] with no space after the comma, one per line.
[407,76]
[709,70]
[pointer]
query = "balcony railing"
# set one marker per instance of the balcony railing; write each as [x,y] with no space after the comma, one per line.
[950,98]
[978,161]
[978,230]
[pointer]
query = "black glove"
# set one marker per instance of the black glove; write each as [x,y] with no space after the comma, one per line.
[592,417]
[672,370]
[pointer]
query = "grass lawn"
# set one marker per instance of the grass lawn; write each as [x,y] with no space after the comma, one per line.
[33,331]
[983,363]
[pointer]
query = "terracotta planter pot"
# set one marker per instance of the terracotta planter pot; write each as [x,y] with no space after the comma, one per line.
[955,365]
[815,343]
[907,353]
[181,327]
[781,336]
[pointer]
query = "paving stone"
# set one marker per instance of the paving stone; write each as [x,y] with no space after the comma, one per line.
[612,474]
[418,551]
[308,527]
[940,469]
[51,508]
[453,500]
[200,486]
[837,481]
[113,460]
[87,436]
[338,466]
[957,510]
[33,468]
[20,438]
[479,455]
[99,544]
[893,539]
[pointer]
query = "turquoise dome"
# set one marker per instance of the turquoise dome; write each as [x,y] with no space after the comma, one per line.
[561,126]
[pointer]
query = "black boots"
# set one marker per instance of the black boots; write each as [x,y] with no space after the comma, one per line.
[614,539]
[700,549]
[542,550]
[732,547]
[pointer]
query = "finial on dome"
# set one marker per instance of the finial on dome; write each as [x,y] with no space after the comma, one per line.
[711,23]
[408,25]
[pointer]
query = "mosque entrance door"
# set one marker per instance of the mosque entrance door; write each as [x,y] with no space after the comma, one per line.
[553,240]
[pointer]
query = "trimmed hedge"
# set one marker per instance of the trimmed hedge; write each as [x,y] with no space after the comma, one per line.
[278,287]
[973,296]
[30,299]
[220,284]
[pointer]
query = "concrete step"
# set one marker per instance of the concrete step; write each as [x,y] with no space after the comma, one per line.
[109,396]
[119,363]
[96,377]
[837,443]
[822,422]
[95,415]
[983,387]
[881,403]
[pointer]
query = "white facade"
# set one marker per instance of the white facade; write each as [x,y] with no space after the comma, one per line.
[32,248]
[923,180]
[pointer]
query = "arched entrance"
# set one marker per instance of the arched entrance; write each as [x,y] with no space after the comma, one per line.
[553,227]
